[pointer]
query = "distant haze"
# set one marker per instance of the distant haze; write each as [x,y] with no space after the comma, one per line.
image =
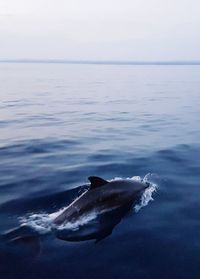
[136,30]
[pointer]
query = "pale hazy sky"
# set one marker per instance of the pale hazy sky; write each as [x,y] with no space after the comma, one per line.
[100,29]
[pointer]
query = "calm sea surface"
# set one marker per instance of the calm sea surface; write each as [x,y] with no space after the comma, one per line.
[61,123]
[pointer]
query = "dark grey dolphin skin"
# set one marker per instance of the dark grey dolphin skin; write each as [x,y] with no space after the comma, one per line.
[102,195]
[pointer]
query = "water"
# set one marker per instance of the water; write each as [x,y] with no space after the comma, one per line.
[61,123]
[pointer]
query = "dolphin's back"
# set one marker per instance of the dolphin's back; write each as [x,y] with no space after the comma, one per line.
[86,202]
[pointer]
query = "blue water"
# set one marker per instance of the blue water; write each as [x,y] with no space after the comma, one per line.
[61,123]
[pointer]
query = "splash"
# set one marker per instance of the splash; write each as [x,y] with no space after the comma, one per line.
[147,196]
[43,222]
[85,219]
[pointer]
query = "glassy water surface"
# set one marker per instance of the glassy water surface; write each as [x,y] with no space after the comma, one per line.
[61,123]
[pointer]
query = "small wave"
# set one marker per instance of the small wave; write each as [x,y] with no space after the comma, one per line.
[85,219]
[43,222]
[147,196]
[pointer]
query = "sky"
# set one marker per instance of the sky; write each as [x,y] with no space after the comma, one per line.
[123,30]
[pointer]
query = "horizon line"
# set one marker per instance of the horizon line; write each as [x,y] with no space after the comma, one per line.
[102,62]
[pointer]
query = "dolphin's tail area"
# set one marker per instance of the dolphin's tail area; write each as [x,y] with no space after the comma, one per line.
[25,238]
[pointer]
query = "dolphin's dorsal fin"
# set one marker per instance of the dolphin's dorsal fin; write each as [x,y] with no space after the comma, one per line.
[96,182]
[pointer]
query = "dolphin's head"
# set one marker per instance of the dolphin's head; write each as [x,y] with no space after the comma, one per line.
[133,190]
[132,185]
[123,191]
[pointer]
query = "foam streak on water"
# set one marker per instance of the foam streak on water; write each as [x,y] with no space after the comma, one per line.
[147,196]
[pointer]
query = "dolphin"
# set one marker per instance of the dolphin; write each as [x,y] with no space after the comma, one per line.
[102,196]
[110,200]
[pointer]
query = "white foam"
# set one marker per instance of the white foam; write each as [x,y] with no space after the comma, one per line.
[85,219]
[43,222]
[147,196]
[40,222]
